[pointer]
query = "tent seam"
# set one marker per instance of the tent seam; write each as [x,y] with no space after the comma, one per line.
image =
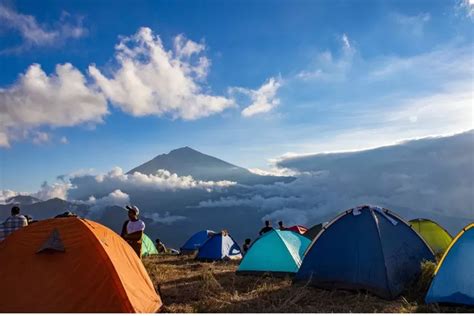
[115,275]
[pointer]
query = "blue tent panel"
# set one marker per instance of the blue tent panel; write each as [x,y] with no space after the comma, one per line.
[365,248]
[454,278]
[197,240]
[219,247]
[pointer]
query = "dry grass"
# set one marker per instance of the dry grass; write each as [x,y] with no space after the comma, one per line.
[187,285]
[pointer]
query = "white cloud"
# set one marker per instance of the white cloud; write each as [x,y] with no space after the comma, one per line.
[7,194]
[64,140]
[35,34]
[411,24]
[84,185]
[467,7]
[329,68]
[150,80]
[41,138]
[166,219]
[115,198]
[56,190]
[36,99]
[263,99]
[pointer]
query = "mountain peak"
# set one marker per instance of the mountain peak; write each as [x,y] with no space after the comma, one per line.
[185,149]
[186,161]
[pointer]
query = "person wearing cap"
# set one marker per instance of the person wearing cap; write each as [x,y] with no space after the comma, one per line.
[132,229]
[12,223]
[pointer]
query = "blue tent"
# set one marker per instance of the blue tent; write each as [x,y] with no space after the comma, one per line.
[454,277]
[196,241]
[219,247]
[276,251]
[365,248]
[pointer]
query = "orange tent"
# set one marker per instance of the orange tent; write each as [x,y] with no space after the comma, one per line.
[72,265]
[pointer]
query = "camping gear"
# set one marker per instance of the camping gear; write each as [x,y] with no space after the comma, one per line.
[365,248]
[219,247]
[297,229]
[196,241]
[313,231]
[278,251]
[72,265]
[148,247]
[453,281]
[435,236]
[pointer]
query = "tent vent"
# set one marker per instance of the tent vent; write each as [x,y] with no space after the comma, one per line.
[53,243]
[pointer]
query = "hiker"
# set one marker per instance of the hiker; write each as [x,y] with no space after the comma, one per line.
[246,245]
[13,223]
[132,229]
[265,229]
[160,246]
[280,225]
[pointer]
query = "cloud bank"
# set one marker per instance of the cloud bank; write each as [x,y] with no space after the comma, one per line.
[431,176]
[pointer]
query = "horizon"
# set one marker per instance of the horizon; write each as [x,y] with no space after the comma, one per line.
[340,77]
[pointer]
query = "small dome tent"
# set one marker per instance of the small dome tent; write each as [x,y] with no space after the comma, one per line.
[365,248]
[435,236]
[219,247]
[278,251]
[72,265]
[148,247]
[454,277]
[196,241]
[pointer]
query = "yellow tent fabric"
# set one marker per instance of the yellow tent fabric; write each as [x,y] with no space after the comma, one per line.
[72,265]
[435,236]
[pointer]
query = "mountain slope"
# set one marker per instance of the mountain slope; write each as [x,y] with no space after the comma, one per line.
[187,161]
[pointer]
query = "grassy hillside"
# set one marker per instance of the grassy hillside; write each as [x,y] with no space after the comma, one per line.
[187,285]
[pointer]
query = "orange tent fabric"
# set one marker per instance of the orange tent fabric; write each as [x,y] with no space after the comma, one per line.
[97,272]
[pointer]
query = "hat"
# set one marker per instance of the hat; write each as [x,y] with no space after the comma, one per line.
[133,208]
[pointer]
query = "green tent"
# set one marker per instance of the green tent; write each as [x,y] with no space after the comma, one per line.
[276,252]
[148,247]
[435,236]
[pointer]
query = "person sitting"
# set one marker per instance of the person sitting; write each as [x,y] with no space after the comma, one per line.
[265,229]
[246,245]
[66,214]
[280,225]
[132,229]
[13,222]
[160,246]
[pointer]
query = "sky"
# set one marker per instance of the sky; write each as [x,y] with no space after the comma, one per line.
[91,85]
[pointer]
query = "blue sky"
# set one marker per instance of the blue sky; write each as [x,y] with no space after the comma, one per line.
[250,81]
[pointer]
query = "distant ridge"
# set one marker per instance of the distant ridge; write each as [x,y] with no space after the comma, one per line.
[187,161]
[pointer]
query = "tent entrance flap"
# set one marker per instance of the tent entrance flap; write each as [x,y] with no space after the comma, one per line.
[53,243]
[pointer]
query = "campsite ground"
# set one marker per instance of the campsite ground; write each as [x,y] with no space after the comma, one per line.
[187,285]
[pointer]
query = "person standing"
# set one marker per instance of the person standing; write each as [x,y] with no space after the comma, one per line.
[133,228]
[13,223]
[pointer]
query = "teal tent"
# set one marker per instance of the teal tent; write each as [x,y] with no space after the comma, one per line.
[148,247]
[278,251]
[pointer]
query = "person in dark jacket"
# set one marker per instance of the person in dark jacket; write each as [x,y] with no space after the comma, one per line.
[265,229]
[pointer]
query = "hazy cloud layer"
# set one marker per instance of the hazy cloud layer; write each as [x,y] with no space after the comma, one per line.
[60,99]
[166,218]
[428,176]
[35,34]
[150,80]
